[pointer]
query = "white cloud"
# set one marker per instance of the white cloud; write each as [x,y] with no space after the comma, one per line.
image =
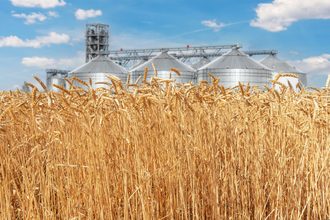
[40,62]
[213,24]
[53,14]
[315,65]
[31,18]
[82,14]
[38,3]
[51,38]
[280,14]
[60,63]
[35,16]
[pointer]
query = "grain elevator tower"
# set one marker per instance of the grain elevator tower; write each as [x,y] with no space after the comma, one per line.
[97,40]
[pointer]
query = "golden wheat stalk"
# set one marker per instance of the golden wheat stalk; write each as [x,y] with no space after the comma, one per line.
[176,71]
[155,70]
[128,80]
[145,74]
[80,81]
[241,88]
[62,89]
[31,86]
[167,145]
[293,75]
[41,83]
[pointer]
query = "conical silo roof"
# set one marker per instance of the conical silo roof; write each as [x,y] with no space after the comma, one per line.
[278,65]
[234,59]
[100,64]
[201,62]
[138,64]
[97,70]
[164,62]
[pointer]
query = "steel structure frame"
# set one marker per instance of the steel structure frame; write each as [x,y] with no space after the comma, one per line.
[97,40]
[183,53]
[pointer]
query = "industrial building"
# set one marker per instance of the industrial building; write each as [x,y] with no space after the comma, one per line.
[97,62]
[227,62]
[57,77]
[279,66]
[234,67]
[163,64]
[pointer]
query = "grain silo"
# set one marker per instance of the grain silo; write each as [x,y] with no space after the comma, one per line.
[56,77]
[279,66]
[163,64]
[234,67]
[97,69]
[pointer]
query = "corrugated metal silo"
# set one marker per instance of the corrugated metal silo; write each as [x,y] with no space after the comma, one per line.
[57,77]
[97,69]
[163,63]
[234,67]
[279,66]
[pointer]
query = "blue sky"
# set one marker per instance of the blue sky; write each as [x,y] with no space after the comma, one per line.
[36,34]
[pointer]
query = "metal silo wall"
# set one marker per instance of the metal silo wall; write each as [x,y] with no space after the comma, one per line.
[231,77]
[57,81]
[185,77]
[96,77]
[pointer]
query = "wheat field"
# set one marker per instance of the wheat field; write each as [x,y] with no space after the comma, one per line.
[161,150]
